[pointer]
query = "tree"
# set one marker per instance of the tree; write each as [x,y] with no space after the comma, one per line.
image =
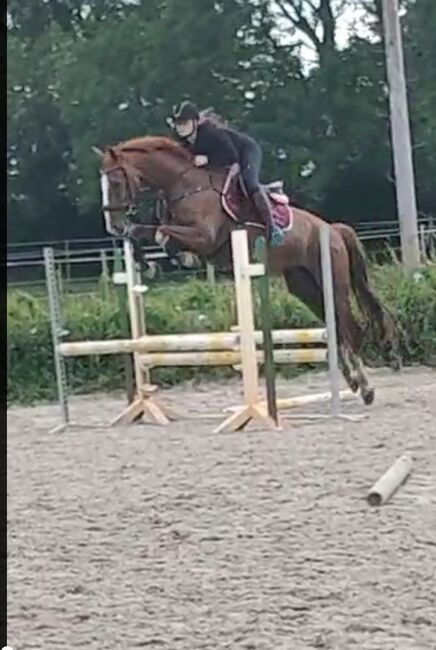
[96,72]
[38,145]
[312,22]
[221,68]
[43,176]
[32,18]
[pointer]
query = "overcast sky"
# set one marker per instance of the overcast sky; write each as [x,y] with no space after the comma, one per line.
[351,22]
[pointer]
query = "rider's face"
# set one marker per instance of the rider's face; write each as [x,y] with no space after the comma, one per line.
[185,129]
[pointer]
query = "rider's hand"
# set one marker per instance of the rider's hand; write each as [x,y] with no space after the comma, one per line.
[200,161]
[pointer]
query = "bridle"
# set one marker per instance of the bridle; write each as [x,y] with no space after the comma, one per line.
[128,206]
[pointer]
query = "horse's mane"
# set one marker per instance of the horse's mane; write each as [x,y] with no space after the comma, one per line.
[151,143]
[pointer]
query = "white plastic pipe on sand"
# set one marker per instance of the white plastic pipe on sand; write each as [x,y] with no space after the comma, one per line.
[391,480]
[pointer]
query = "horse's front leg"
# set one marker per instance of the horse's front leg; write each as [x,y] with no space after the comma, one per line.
[139,234]
[197,241]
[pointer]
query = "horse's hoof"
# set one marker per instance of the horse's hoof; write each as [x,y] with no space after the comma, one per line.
[354,385]
[188,259]
[368,395]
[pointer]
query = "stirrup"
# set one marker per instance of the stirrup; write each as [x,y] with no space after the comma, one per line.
[277,235]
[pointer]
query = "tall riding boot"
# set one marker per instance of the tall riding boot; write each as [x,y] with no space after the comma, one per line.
[262,204]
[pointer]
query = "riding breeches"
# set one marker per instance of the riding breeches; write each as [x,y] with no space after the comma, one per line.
[250,163]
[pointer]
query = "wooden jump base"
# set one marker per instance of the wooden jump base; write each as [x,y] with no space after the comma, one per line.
[391,480]
[232,348]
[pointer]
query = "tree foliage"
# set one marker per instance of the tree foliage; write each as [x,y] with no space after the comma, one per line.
[94,72]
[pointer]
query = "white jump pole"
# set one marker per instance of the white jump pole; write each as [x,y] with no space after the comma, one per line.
[229,358]
[330,317]
[136,307]
[244,303]
[391,480]
[199,342]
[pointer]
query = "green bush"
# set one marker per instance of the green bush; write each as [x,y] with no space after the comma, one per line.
[190,307]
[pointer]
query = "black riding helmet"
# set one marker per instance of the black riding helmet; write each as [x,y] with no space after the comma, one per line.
[184,112]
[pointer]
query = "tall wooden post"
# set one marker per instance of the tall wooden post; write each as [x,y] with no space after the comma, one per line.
[252,408]
[121,296]
[400,134]
[266,324]
[142,402]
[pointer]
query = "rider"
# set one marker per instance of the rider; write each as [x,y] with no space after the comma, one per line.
[220,146]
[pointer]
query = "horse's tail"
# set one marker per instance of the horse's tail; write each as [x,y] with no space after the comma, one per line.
[386,328]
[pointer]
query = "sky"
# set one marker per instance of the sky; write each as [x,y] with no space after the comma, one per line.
[351,22]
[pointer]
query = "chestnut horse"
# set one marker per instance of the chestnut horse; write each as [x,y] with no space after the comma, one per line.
[197,222]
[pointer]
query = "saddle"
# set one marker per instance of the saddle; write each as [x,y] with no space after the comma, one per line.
[238,205]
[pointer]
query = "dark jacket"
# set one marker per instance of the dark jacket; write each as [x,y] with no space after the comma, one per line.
[223,147]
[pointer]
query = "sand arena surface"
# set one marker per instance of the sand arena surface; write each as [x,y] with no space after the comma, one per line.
[177,538]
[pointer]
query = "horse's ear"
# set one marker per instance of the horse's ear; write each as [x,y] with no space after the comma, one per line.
[98,151]
[111,151]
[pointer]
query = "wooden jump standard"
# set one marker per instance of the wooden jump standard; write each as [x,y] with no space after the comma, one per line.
[211,349]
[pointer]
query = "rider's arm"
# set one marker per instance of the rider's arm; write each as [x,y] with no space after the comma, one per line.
[216,144]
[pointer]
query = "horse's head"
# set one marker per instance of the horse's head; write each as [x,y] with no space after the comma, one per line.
[151,162]
[120,183]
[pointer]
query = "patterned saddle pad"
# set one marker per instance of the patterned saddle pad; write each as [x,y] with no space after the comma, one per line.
[234,197]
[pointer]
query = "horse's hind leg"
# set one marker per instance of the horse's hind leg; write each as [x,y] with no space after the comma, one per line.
[345,366]
[302,285]
[350,335]
[366,391]
[350,332]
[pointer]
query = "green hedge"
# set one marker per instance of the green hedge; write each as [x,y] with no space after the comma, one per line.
[190,307]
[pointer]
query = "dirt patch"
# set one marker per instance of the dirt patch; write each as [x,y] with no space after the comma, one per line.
[177,538]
